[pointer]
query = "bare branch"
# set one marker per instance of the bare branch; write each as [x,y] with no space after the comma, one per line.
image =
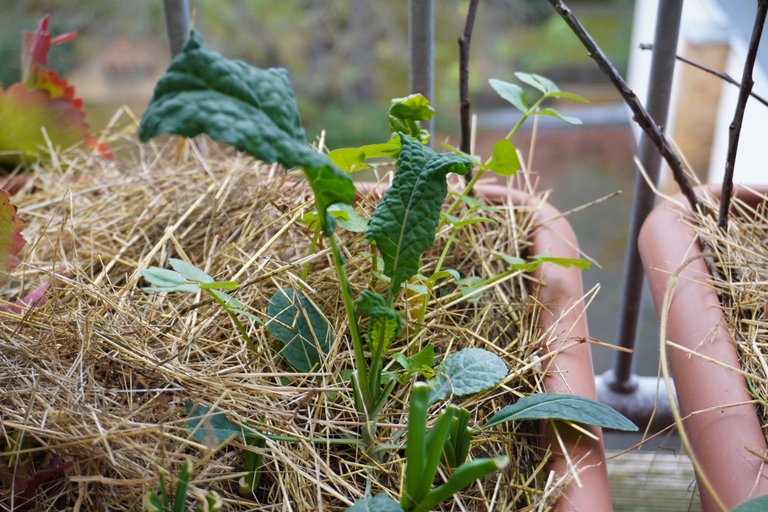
[734,130]
[640,115]
[464,42]
[725,77]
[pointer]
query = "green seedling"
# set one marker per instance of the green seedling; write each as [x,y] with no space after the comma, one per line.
[423,453]
[187,278]
[163,501]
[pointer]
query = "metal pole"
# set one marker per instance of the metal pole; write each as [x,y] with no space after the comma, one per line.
[621,379]
[177,23]
[421,30]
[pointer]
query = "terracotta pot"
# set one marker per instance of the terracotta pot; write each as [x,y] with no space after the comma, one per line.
[726,440]
[570,369]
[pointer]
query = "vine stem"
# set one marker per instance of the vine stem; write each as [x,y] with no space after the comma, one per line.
[734,130]
[640,115]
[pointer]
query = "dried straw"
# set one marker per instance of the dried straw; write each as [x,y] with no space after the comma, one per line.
[740,256]
[100,374]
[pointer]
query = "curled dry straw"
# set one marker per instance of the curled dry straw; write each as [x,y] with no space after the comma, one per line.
[741,257]
[100,374]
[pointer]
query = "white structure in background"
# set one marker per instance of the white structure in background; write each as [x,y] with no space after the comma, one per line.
[716,33]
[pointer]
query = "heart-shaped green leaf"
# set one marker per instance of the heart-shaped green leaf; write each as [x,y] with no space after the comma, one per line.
[545,406]
[302,330]
[504,159]
[468,371]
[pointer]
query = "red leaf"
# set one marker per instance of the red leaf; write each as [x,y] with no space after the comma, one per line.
[35,48]
[60,113]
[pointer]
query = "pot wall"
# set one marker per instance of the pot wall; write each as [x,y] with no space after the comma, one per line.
[570,370]
[725,439]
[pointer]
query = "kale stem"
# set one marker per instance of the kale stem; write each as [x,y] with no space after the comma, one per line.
[312,249]
[357,345]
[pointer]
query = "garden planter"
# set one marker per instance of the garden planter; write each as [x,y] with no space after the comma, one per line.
[725,434]
[563,318]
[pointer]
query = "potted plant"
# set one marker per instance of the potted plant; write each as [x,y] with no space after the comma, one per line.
[318,367]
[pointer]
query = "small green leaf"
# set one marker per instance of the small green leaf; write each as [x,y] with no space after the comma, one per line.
[520,263]
[220,285]
[252,109]
[165,280]
[209,426]
[403,225]
[405,114]
[385,322]
[300,327]
[348,218]
[378,503]
[512,93]
[564,262]
[539,82]
[354,159]
[191,272]
[545,406]
[422,362]
[468,285]
[460,223]
[414,107]
[553,112]
[446,272]
[759,504]
[504,159]
[468,371]
[536,261]
[349,159]
[568,96]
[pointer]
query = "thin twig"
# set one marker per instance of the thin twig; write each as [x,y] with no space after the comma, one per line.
[640,115]
[464,42]
[734,130]
[725,77]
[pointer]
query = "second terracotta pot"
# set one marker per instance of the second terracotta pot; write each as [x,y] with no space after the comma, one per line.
[725,433]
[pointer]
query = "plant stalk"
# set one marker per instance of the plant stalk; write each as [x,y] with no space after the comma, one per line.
[357,345]
[734,130]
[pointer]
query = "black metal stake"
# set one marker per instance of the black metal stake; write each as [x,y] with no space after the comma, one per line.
[421,30]
[177,23]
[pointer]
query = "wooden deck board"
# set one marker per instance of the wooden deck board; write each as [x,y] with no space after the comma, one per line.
[652,481]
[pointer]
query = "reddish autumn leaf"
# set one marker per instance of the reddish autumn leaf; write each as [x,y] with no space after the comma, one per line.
[35,48]
[43,102]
